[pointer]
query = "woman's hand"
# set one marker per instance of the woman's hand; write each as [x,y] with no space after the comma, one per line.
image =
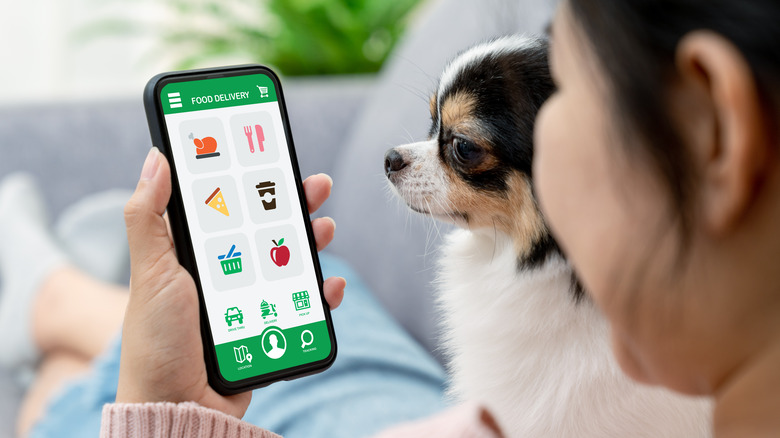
[162,354]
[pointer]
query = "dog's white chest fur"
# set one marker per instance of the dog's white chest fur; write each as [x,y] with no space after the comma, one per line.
[519,343]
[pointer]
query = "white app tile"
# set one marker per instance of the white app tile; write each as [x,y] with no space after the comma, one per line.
[217,204]
[255,139]
[204,145]
[279,252]
[230,262]
[267,195]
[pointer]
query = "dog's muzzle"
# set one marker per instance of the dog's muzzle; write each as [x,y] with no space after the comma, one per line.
[394,162]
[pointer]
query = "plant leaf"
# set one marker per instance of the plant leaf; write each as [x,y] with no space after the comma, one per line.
[299,37]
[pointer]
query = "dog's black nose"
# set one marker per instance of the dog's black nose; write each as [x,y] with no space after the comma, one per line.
[393,162]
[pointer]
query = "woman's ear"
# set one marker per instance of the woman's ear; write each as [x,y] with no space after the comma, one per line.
[725,126]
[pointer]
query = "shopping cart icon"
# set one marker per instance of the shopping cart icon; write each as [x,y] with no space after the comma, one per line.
[263,91]
[231,262]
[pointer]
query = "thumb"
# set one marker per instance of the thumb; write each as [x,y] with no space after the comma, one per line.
[147,233]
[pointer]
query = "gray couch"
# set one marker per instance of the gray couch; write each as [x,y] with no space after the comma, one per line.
[341,126]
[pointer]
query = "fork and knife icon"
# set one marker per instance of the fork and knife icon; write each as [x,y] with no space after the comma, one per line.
[260,138]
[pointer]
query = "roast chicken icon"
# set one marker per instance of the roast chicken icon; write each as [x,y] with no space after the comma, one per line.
[205,147]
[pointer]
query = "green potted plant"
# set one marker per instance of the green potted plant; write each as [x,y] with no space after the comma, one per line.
[297,37]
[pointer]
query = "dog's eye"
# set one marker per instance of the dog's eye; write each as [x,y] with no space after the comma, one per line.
[466,152]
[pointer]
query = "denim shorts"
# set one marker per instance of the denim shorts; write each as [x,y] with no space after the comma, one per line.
[381,377]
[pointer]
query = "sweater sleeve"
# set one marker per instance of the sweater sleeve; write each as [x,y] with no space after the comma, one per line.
[171,420]
[468,420]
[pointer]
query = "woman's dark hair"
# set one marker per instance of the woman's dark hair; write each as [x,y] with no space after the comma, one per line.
[635,43]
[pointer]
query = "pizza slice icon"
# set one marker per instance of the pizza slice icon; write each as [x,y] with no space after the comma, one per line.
[217,202]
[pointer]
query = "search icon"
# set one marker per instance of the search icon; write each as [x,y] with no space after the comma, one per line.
[303,338]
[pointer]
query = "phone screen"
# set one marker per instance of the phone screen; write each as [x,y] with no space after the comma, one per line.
[257,269]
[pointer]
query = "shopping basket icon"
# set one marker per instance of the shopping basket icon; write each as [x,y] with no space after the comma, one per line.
[231,262]
[263,91]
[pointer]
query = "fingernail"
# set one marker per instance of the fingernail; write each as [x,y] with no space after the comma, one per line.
[329,178]
[334,222]
[150,165]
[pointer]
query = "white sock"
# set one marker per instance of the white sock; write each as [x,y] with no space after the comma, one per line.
[92,232]
[28,254]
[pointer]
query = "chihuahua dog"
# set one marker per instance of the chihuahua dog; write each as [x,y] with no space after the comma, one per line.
[519,334]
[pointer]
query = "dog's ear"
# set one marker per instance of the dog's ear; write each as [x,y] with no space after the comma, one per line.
[434,108]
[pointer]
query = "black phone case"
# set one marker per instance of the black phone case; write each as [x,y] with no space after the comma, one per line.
[181,234]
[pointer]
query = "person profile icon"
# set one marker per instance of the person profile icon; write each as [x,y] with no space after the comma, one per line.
[274,343]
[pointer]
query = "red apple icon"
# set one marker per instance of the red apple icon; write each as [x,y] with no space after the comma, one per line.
[280,254]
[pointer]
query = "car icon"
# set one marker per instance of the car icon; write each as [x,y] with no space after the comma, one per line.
[233,314]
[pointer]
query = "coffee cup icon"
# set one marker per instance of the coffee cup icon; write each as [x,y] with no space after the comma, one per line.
[267,187]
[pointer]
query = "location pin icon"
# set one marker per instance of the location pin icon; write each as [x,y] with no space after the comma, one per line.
[249,357]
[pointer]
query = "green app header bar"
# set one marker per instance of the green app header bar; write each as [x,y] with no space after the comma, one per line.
[181,97]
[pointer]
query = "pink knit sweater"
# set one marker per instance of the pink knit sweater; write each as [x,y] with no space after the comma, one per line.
[164,420]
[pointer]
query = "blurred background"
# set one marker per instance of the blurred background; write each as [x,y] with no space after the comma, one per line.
[104,49]
[357,76]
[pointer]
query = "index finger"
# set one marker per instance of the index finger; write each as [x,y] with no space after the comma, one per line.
[147,233]
[317,189]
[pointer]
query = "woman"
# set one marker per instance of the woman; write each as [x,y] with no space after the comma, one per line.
[657,168]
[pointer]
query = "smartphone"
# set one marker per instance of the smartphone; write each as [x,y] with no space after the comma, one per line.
[240,224]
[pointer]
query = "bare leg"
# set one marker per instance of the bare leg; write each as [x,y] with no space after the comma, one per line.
[55,370]
[74,319]
[76,314]
[49,310]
